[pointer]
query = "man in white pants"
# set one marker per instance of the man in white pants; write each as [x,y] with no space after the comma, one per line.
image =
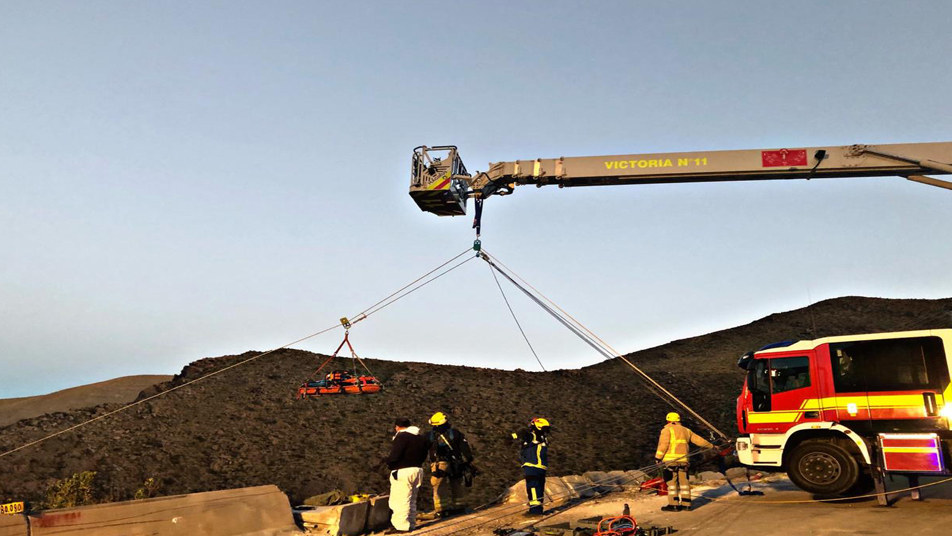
[407,454]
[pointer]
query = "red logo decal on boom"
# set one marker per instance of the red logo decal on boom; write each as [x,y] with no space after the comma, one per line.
[784,158]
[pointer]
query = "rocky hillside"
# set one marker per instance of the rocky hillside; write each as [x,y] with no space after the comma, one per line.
[245,427]
[114,391]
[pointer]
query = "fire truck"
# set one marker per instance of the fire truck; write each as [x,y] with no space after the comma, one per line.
[838,413]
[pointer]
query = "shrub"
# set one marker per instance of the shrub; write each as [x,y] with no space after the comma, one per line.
[77,490]
[148,490]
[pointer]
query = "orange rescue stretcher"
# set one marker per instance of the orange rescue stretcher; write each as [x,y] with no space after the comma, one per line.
[341,382]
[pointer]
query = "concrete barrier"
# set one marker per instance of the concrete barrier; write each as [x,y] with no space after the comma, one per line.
[340,520]
[13,526]
[259,511]
[378,513]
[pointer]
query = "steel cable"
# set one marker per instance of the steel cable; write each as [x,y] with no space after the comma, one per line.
[394,297]
[513,313]
[597,343]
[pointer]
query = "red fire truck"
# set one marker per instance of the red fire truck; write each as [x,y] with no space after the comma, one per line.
[839,412]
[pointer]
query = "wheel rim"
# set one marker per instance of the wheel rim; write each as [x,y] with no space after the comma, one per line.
[820,468]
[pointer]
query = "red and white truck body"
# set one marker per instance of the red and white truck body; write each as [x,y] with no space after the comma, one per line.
[833,412]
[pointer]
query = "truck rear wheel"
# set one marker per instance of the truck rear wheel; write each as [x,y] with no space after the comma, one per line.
[823,468]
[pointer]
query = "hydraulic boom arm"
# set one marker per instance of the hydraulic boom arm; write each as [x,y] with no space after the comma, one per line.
[440,183]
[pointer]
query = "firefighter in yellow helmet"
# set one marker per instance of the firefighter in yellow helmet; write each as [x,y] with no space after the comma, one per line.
[673,447]
[534,455]
[451,466]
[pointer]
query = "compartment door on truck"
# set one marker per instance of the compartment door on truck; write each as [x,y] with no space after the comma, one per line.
[890,384]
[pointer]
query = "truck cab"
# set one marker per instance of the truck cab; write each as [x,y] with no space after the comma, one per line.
[839,411]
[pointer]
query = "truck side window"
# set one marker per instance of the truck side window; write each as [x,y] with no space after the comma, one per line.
[789,373]
[889,365]
[758,382]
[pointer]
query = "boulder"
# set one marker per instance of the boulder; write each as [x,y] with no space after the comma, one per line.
[557,492]
[635,478]
[710,475]
[737,473]
[581,486]
[602,482]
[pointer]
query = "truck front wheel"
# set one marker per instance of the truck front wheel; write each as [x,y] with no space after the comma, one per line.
[823,468]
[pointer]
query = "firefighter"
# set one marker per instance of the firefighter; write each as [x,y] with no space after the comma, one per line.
[673,448]
[451,461]
[534,453]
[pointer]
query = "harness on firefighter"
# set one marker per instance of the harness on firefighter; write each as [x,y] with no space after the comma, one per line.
[339,382]
[459,466]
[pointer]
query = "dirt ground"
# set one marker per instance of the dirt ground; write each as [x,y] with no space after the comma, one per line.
[783,510]
[245,427]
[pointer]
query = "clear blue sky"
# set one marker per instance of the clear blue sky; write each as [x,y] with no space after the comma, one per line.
[189,179]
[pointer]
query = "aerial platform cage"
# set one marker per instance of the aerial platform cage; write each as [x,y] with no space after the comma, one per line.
[438,180]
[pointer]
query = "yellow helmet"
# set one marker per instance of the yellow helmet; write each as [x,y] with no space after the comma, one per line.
[438,418]
[673,417]
[539,423]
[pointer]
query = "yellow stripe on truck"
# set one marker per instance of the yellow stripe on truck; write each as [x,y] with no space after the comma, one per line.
[773,417]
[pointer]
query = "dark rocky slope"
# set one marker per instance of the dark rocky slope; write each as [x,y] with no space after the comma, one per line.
[244,427]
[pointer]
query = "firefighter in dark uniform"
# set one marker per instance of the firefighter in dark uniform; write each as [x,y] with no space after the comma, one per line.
[534,455]
[451,460]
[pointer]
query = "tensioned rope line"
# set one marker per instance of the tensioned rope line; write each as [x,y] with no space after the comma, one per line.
[369,312]
[513,313]
[584,333]
[410,284]
[926,318]
[607,351]
[177,387]
[364,314]
[587,339]
[483,518]
[507,511]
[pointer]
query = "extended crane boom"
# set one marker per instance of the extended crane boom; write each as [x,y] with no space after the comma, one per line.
[440,183]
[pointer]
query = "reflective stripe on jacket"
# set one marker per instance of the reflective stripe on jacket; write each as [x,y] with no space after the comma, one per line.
[673,445]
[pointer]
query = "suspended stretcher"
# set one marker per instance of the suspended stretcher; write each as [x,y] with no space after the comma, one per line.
[341,382]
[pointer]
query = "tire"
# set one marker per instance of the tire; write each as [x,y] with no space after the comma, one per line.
[823,468]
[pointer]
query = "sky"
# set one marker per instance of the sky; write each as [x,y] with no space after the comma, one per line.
[190,179]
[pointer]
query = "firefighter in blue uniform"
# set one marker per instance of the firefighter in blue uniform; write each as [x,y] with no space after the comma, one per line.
[534,457]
